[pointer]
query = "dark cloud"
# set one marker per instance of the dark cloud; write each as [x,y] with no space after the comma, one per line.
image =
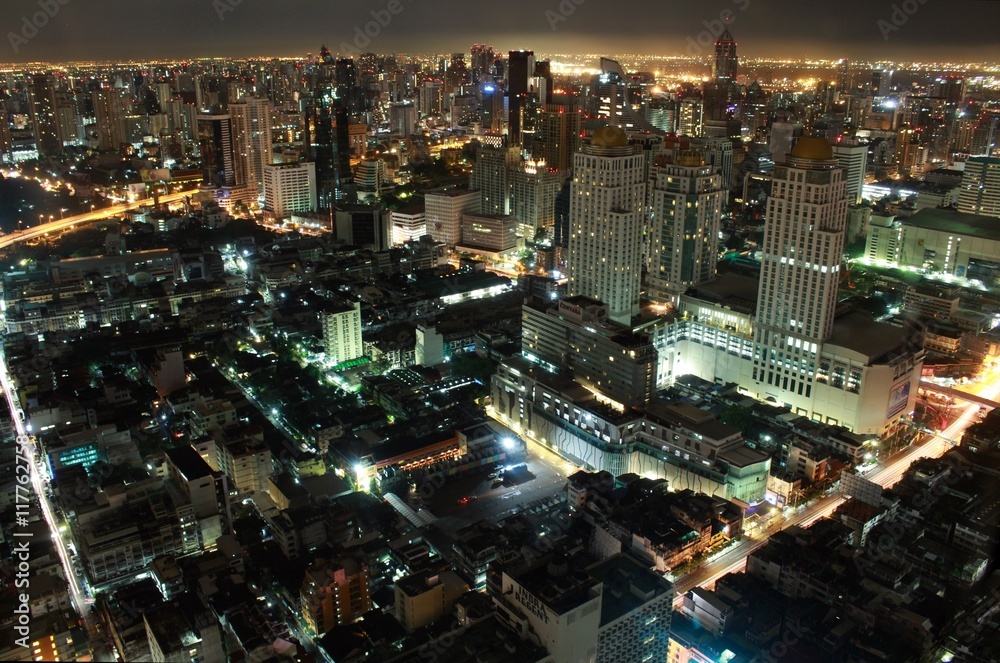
[959,30]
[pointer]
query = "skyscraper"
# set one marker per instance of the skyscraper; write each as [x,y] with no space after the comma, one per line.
[491,176]
[42,101]
[6,144]
[606,222]
[687,202]
[289,187]
[520,69]
[218,159]
[980,192]
[534,186]
[803,247]
[443,210]
[726,61]
[852,156]
[252,137]
[329,141]
[558,136]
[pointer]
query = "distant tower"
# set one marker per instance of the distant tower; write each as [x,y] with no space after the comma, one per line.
[520,69]
[42,101]
[252,137]
[606,221]
[218,158]
[726,60]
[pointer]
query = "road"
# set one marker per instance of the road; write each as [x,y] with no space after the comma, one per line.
[77,584]
[70,222]
[886,475]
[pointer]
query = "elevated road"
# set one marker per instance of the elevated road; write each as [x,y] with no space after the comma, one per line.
[72,222]
[958,394]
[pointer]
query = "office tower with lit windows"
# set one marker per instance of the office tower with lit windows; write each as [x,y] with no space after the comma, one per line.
[804,236]
[252,137]
[443,211]
[611,101]
[607,221]
[520,69]
[329,141]
[687,198]
[482,63]
[289,187]
[558,136]
[690,116]
[218,157]
[534,186]
[6,143]
[726,60]
[980,191]
[491,175]
[492,117]
[42,102]
[342,337]
[852,156]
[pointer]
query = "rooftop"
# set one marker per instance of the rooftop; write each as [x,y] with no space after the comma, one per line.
[189,462]
[951,221]
[627,586]
[857,332]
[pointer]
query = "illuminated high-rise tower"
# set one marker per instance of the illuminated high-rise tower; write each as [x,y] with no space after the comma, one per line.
[42,101]
[520,69]
[606,220]
[6,144]
[218,159]
[726,60]
[803,247]
[252,137]
[687,199]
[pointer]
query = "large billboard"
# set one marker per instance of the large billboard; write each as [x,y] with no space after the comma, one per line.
[899,397]
[155,175]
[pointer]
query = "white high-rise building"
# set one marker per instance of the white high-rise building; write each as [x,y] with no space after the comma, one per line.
[342,333]
[800,272]
[290,187]
[408,223]
[606,221]
[252,137]
[980,192]
[687,202]
[853,158]
[443,210]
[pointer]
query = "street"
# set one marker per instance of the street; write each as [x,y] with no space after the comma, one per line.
[77,582]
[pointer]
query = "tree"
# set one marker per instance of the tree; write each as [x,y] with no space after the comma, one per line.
[738,416]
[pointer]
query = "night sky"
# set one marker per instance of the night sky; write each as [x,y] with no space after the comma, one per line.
[121,29]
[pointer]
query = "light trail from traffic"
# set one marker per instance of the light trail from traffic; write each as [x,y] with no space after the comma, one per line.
[69,223]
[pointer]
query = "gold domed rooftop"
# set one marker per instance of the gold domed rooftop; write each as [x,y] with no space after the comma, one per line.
[813,148]
[609,136]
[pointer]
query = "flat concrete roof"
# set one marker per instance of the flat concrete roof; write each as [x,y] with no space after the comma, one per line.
[857,332]
[951,221]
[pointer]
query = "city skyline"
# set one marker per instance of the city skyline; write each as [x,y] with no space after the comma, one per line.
[224,28]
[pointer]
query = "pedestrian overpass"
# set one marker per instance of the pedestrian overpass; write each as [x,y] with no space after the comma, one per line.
[958,394]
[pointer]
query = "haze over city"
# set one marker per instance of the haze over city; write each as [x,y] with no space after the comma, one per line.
[530,332]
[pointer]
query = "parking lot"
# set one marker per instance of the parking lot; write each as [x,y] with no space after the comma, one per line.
[467,499]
